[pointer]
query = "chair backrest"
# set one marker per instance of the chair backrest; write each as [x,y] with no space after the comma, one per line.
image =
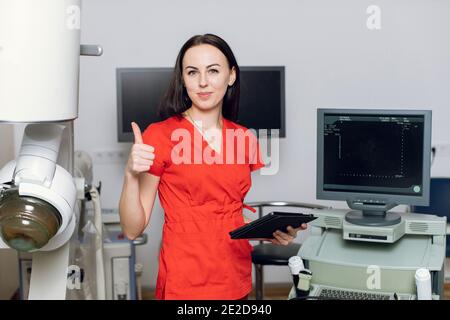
[439,203]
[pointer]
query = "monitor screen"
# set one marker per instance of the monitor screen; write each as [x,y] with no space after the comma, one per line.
[140,90]
[374,157]
[262,100]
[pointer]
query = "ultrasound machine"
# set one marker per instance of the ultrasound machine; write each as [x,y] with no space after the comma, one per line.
[374,160]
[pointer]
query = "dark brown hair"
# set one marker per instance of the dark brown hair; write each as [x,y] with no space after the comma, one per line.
[176,99]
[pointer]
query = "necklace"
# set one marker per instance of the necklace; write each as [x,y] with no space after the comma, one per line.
[208,139]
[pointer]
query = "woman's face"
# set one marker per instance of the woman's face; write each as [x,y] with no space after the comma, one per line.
[206,76]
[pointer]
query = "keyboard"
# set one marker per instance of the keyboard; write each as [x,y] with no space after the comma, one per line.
[340,294]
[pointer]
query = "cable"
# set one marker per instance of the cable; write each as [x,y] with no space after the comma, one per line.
[138,267]
[101,283]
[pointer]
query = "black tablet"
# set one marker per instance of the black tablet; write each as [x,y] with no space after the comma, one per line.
[265,227]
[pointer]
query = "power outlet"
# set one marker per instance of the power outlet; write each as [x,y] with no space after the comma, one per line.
[109,156]
[442,149]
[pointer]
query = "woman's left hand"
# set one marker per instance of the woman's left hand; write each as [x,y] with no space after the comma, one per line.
[282,238]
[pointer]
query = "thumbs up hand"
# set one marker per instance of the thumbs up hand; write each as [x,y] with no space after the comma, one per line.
[141,155]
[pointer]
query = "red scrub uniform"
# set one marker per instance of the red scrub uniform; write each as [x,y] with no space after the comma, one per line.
[202,203]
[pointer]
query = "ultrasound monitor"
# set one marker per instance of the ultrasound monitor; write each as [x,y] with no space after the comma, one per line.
[374,160]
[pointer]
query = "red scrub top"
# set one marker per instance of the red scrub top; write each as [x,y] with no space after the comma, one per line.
[202,202]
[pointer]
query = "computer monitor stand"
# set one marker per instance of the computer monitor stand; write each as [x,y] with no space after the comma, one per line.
[372,213]
[373,218]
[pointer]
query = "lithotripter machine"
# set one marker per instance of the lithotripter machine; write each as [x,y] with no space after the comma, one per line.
[350,261]
[40,193]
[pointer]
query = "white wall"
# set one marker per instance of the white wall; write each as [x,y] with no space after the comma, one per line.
[331,59]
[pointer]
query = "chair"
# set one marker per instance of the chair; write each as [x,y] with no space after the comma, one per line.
[268,253]
[439,202]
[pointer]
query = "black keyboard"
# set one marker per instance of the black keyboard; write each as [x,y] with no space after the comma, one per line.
[351,295]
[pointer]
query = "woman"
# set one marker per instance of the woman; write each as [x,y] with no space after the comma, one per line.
[193,159]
